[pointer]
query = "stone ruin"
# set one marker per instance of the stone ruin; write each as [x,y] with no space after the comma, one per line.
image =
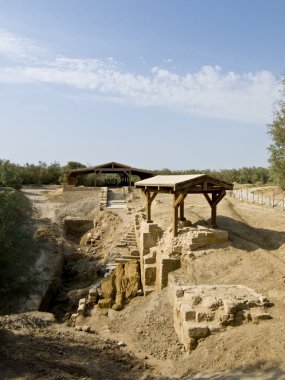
[115,290]
[202,310]
[199,310]
[161,253]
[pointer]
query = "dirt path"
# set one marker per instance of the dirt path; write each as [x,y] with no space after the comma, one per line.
[44,208]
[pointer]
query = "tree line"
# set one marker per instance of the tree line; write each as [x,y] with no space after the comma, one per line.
[14,175]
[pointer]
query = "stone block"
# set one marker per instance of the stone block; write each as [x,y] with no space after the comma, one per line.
[149,275]
[218,236]
[194,246]
[199,239]
[260,316]
[82,306]
[230,307]
[187,312]
[105,303]
[201,316]
[134,251]
[211,303]
[196,331]
[192,344]
[166,266]
[226,319]
[214,328]
[192,299]
[179,293]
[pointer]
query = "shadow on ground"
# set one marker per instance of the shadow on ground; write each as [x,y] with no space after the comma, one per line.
[61,355]
[256,237]
[255,373]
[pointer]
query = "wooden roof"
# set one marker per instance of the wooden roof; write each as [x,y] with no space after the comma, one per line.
[110,167]
[193,183]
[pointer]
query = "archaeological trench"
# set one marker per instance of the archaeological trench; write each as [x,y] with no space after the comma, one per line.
[149,256]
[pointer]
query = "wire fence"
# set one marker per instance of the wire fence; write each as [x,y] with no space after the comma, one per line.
[245,195]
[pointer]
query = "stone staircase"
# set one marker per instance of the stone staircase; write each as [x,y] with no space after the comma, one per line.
[116,198]
[125,251]
[104,197]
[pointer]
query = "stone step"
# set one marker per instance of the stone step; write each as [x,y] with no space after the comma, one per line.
[116,206]
[121,260]
[134,251]
[131,236]
[121,245]
[111,266]
[128,243]
[148,290]
[129,239]
[129,257]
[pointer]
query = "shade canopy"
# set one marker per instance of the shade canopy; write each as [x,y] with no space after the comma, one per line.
[124,171]
[180,186]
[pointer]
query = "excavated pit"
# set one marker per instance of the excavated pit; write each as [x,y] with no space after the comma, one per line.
[75,228]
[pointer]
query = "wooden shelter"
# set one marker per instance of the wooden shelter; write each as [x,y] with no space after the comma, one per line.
[124,171]
[180,186]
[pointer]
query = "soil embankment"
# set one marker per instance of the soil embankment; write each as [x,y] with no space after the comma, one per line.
[254,256]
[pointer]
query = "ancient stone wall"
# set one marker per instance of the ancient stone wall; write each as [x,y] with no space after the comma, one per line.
[202,310]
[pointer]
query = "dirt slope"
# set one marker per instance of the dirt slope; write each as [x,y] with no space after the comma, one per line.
[254,256]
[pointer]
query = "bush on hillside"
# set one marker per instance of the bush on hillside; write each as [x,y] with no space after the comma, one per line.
[17,246]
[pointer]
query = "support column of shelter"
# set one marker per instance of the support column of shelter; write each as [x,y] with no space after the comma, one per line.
[71,180]
[149,198]
[178,202]
[216,198]
[182,217]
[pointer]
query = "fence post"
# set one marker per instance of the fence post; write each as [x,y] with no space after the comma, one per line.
[273,200]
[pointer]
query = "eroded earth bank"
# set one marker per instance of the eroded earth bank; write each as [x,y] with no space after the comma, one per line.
[221,315]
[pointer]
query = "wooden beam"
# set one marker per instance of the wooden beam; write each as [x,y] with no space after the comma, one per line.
[206,195]
[149,199]
[216,198]
[179,198]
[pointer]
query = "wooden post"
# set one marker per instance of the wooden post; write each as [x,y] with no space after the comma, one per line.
[175,216]
[148,207]
[214,216]
[182,217]
[178,200]
[149,199]
[216,198]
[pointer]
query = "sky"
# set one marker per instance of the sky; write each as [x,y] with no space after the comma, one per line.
[178,84]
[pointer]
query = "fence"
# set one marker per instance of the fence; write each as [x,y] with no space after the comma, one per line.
[257,197]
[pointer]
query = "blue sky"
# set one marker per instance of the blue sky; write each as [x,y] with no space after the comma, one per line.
[152,83]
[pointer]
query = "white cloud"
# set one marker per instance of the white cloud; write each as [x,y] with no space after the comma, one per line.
[16,48]
[167,60]
[207,93]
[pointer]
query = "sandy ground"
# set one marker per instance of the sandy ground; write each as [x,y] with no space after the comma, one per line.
[254,256]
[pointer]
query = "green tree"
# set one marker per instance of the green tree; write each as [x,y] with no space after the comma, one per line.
[277,149]
[10,174]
